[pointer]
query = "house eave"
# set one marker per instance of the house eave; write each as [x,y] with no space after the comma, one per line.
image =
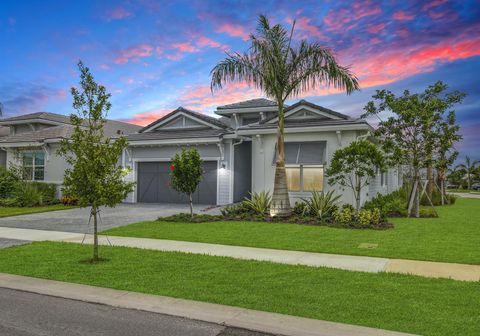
[305,129]
[212,140]
[230,111]
[31,121]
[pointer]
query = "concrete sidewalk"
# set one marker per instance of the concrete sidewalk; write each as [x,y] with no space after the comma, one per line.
[352,263]
[224,315]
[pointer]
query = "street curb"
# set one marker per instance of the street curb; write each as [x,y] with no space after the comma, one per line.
[254,320]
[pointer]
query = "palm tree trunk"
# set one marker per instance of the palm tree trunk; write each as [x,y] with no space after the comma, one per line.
[280,201]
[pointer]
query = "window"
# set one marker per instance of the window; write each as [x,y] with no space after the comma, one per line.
[304,162]
[305,178]
[383,179]
[34,166]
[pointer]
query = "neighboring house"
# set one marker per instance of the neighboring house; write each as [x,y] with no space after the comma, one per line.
[32,141]
[239,152]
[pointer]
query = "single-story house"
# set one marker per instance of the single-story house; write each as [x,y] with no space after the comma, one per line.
[237,147]
[238,150]
[32,140]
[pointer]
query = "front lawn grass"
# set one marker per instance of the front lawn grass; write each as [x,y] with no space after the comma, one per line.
[388,301]
[16,211]
[453,237]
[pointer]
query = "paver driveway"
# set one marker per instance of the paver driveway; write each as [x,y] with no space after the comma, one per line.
[76,220]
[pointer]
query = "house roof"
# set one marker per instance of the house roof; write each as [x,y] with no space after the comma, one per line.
[201,116]
[312,105]
[64,130]
[177,134]
[321,123]
[55,132]
[48,116]
[259,102]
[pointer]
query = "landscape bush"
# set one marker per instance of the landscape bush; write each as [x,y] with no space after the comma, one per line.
[7,182]
[259,203]
[320,205]
[186,217]
[27,195]
[68,200]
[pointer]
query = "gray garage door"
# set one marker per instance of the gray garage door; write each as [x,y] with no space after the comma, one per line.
[153,184]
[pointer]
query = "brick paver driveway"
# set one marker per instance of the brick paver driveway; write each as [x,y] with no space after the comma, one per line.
[76,220]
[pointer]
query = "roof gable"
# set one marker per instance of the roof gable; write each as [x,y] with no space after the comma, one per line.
[259,102]
[182,118]
[305,111]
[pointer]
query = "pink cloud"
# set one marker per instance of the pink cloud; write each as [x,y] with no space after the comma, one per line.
[347,18]
[375,28]
[233,30]
[118,13]
[304,25]
[185,47]
[146,118]
[204,41]
[432,4]
[390,66]
[403,32]
[174,57]
[403,16]
[134,53]
[201,97]
[128,80]
[61,94]
[104,66]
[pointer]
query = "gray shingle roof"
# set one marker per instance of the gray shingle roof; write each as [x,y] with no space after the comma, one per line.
[112,128]
[177,134]
[54,132]
[312,105]
[201,116]
[259,102]
[40,115]
[326,122]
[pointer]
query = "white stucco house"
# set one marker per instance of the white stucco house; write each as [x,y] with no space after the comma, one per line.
[237,147]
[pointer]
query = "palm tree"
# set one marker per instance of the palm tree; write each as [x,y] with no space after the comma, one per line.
[469,168]
[282,71]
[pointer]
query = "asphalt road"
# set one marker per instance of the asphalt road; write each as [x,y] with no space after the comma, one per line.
[28,314]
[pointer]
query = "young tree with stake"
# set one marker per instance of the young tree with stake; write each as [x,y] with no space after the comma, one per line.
[94,176]
[186,173]
[353,165]
[408,137]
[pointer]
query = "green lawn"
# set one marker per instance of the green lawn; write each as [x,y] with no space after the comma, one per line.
[389,301]
[453,237]
[16,211]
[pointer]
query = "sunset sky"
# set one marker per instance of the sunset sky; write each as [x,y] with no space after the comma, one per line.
[154,56]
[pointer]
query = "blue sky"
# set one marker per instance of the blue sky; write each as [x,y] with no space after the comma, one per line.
[154,56]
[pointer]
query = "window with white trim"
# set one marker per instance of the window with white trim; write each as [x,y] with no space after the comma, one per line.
[33,166]
[304,178]
[304,165]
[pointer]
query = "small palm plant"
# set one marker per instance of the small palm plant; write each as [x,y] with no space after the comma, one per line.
[259,203]
[321,205]
[469,168]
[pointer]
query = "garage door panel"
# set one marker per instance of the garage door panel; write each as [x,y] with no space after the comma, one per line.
[154,184]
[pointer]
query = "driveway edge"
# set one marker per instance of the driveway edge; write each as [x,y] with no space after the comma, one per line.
[215,313]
